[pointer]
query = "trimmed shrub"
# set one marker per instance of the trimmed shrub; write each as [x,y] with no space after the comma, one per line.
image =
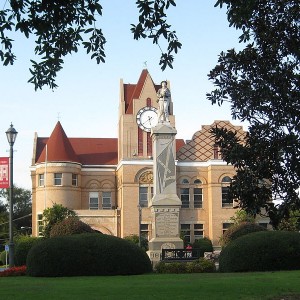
[86,255]
[134,238]
[205,245]
[200,265]
[71,225]
[22,246]
[262,251]
[236,231]
[3,257]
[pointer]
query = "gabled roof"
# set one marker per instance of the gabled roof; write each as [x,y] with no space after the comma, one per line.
[58,147]
[133,91]
[87,151]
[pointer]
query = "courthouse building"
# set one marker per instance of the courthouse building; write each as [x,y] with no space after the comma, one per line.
[109,181]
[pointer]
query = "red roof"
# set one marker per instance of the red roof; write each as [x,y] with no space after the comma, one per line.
[87,151]
[133,91]
[58,147]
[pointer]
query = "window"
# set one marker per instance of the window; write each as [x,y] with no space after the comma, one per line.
[185,181]
[186,232]
[106,200]
[265,225]
[57,178]
[225,189]
[185,197]
[145,195]
[197,181]
[198,231]
[144,229]
[226,226]
[198,197]
[41,179]
[94,200]
[225,201]
[40,224]
[74,179]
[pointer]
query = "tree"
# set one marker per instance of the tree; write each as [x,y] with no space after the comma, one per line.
[22,206]
[261,83]
[54,215]
[60,27]
[292,223]
[3,225]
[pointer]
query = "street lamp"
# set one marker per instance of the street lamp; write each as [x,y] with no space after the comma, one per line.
[11,135]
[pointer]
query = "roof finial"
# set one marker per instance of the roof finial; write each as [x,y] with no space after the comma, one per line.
[58,116]
[145,64]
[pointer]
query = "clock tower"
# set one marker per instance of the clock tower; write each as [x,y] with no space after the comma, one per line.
[137,115]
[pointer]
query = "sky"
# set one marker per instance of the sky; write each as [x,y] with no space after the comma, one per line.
[86,101]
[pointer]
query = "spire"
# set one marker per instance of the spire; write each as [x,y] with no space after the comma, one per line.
[58,147]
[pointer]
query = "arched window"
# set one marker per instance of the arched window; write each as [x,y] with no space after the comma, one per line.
[226,179]
[145,188]
[198,194]
[185,181]
[225,183]
[198,181]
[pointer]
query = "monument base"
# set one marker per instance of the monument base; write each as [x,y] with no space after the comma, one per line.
[157,244]
[166,232]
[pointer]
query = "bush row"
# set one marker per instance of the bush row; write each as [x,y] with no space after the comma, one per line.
[200,265]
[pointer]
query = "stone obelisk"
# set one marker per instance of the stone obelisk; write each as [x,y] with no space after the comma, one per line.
[166,205]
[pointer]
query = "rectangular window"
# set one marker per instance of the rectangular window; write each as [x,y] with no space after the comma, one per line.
[143,196]
[106,200]
[265,225]
[185,197]
[94,200]
[57,178]
[186,232]
[74,180]
[41,179]
[144,228]
[226,226]
[225,201]
[198,197]
[198,231]
[40,224]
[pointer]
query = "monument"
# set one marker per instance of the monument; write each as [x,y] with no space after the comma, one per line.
[165,205]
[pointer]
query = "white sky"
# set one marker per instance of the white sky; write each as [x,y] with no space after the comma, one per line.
[86,101]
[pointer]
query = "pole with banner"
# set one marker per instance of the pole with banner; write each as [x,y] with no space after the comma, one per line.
[4,172]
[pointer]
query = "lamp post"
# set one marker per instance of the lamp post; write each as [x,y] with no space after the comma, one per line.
[11,135]
[140,219]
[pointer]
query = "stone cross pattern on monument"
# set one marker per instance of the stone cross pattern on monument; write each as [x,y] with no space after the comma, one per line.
[166,167]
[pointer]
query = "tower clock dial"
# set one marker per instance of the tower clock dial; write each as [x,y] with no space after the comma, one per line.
[146,118]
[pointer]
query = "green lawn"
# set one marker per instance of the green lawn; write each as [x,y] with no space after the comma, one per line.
[268,285]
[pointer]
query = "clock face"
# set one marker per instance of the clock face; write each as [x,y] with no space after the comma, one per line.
[146,118]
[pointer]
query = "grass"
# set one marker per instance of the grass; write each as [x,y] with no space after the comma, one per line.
[267,285]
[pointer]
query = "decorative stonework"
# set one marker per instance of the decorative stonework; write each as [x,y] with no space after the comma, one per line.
[146,178]
[201,147]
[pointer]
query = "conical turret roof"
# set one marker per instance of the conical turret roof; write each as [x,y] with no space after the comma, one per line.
[58,147]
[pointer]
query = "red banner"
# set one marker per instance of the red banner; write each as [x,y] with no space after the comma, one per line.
[4,172]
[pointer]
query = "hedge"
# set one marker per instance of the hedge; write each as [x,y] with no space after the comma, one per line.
[262,251]
[236,231]
[23,244]
[86,254]
[71,225]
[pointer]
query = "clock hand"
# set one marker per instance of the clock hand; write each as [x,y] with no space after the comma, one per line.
[149,120]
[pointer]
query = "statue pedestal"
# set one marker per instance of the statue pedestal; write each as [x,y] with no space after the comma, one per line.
[166,205]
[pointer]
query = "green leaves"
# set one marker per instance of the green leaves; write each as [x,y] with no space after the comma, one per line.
[261,82]
[59,27]
[153,25]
